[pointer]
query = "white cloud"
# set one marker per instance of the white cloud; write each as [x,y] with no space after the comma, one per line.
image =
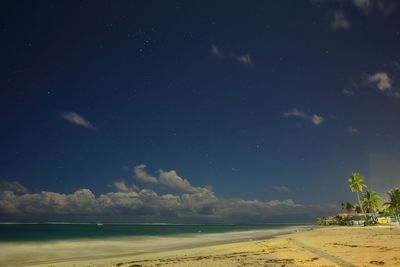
[352,130]
[317,120]
[340,21]
[175,182]
[12,186]
[141,174]
[145,201]
[382,81]
[243,59]
[120,186]
[281,188]
[313,118]
[296,113]
[81,201]
[215,51]
[287,202]
[169,179]
[77,119]
[190,204]
[347,92]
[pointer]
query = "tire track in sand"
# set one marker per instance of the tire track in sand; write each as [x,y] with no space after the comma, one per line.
[321,253]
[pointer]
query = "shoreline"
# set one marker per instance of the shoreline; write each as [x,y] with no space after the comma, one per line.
[76,250]
[46,232]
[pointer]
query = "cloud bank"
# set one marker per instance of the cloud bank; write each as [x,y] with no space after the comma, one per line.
[12,186]
[128,203]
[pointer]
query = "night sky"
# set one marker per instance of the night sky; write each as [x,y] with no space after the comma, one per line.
[195,110]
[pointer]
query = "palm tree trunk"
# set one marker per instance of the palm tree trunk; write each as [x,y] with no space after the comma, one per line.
[359,202]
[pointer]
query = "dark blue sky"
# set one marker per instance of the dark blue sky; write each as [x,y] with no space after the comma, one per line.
[266,100]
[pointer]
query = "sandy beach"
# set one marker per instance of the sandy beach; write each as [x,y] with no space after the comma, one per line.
[328,246]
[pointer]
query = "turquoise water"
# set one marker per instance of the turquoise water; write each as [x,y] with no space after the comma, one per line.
[49,232]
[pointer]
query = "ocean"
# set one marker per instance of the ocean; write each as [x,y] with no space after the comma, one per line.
[60,231]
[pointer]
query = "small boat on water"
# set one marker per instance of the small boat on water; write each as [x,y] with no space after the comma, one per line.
[99,224]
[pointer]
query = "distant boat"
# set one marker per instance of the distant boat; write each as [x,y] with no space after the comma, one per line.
[99,224]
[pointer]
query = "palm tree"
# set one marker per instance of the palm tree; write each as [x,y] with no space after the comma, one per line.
[356,184]
[394,202]
[358,209]
[371,201]
[349,207]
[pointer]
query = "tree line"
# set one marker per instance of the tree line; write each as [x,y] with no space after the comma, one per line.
[370,201]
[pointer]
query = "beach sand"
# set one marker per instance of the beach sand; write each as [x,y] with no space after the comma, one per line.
[327,246]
